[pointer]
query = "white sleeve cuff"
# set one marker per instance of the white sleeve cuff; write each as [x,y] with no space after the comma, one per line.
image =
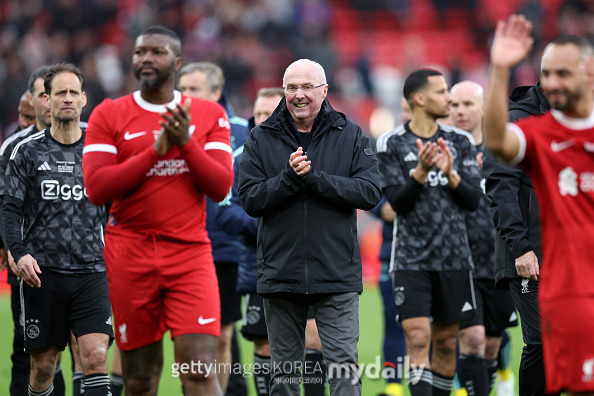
[521,142]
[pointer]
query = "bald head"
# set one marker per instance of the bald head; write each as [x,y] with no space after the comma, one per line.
[469,88]
[467,107]
[26,112]
[311,66]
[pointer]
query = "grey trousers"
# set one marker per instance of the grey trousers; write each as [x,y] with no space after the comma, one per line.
[337,318]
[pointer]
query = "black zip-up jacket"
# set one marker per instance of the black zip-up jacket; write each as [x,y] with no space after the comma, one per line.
[514,208]
[307,226]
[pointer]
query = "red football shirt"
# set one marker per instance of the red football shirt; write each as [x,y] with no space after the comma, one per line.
[558,154]
[165,195]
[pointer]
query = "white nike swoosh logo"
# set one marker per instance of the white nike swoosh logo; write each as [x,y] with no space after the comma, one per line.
[130,136]
[202,321]
[556,147]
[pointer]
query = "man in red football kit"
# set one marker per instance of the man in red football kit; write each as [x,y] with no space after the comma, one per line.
[557,151]
[157,160]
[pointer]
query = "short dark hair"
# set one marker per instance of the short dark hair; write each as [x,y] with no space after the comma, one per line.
[584,46]
[61,68]
[416,81]
[162,30]
[40,72]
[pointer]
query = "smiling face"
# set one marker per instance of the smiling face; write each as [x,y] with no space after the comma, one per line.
[304,107]
[66,99]
[154,60]
[562,81]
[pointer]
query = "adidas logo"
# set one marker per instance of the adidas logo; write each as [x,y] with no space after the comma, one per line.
[513,317]
[108,321]
[411,157]
[467,307]
[44,167]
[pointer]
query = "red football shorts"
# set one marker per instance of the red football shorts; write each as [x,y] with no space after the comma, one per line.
[567,328]
[157,284]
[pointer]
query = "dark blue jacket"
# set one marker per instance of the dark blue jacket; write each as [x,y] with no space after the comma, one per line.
[234,221]
[387,232]
[224,246]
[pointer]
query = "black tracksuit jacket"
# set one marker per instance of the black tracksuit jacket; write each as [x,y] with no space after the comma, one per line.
[514,208]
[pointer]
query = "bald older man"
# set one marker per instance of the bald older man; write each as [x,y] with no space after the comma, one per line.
[480,339]
[304,173]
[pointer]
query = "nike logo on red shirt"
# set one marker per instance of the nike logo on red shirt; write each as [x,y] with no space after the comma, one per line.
[556,147]
[130,136]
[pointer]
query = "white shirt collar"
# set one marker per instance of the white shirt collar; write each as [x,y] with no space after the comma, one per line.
[574,123]
[157,108]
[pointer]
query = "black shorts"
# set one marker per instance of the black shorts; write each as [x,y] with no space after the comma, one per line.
[444,296]
[62,304]
[254,322]
[230,299]
[494,309]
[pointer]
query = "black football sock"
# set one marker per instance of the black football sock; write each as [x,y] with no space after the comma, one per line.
[442,385]
[472,373]
[116,383]
[96,385]
[419,381]
[262,374]
[314,374]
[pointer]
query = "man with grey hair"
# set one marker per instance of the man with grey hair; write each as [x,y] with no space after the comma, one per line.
[205,80]
[304,173]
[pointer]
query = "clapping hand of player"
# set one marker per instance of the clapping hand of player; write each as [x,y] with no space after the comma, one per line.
[162,144]
[177,123]
[444,160]
[27,268]
[427,155]
[299,163]
[512,41]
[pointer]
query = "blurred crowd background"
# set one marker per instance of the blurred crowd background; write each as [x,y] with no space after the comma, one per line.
[365,46]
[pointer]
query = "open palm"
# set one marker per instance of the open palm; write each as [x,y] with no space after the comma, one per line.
[512,41]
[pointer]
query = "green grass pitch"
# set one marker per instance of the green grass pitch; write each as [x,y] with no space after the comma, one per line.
[371,323]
